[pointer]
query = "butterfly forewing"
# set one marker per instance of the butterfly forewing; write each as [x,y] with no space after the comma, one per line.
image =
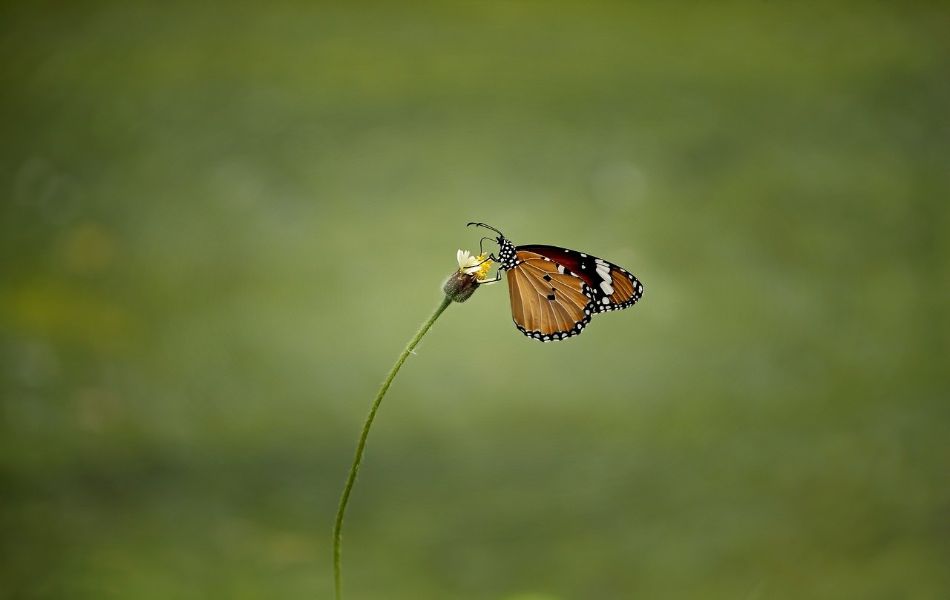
[546,303]
[612,287]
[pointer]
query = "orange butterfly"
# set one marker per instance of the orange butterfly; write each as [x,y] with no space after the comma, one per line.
[555,291]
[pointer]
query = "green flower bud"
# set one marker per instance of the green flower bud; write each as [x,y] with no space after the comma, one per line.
[460,286]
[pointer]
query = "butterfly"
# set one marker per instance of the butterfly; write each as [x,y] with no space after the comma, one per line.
[555,291]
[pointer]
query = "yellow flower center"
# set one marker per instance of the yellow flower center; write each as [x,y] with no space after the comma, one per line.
[483,268]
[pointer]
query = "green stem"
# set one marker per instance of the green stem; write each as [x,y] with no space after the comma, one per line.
[361,445]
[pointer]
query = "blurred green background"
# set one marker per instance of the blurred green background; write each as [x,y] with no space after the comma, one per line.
[221,222]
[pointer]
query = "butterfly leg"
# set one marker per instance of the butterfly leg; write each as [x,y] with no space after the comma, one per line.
[489,258]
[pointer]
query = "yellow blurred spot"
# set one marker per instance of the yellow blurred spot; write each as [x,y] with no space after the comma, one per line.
[64,313]
[88,248]
[96,409]
[287,548]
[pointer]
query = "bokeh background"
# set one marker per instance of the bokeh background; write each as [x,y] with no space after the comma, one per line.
[221,222]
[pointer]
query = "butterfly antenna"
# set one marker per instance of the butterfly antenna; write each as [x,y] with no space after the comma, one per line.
[486,226]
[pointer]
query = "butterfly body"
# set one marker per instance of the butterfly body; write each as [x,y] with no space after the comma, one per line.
[555,291]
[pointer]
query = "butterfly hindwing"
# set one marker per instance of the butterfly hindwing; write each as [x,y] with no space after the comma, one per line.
[612,287]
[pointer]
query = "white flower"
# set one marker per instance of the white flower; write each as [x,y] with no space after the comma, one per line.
[467,262]
[471,274]
[470,264]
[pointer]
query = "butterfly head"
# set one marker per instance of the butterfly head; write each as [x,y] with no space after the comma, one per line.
[506,250]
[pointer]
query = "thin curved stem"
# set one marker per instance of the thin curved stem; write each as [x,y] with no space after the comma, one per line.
[361,445]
